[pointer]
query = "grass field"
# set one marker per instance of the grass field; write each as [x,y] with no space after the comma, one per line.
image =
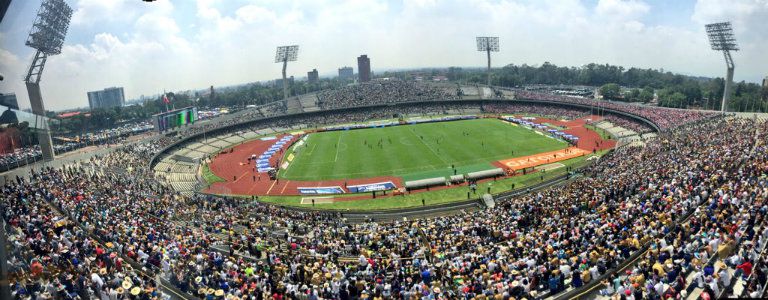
[434,197]
[413,151]
[209,177]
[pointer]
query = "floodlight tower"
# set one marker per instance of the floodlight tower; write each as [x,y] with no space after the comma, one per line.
[284,55]
[721,38]
[47,36]
[488,44]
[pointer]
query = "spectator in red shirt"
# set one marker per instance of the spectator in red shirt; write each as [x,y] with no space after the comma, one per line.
[745,269]
[36,268]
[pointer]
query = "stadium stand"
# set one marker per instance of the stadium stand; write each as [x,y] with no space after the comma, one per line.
[28,155]
[382,92]
[293,105]
[679,217]
[309,102]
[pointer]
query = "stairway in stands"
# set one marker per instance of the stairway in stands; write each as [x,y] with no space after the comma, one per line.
[309,102]
[293,106]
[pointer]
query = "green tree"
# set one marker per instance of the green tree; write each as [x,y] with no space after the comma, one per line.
[633,95]
[669,98]
[646,95]
[610,91]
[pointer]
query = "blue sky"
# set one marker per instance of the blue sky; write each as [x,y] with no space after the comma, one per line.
[192,44]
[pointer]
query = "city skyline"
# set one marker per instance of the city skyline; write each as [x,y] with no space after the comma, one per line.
[187,45]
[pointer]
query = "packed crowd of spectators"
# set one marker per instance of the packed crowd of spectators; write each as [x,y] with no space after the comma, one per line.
[20,156]
[382,92]
[638,127]
[727,186]
[665,118]
[25,155]
[695,196]
[273,109]
[543,110]
[75,231]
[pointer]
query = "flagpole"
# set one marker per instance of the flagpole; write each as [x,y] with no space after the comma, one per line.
[165,100]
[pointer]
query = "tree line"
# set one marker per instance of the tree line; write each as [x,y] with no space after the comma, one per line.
[633,84]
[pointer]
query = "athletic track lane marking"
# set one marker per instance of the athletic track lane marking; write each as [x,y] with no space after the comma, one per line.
[271,186]
[284,186]
[241,176]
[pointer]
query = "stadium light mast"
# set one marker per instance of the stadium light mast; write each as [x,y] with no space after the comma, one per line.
[722,39]
[47,37]
[284,55]
[488,44]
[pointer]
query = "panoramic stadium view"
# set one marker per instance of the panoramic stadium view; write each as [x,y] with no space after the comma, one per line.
[383,149]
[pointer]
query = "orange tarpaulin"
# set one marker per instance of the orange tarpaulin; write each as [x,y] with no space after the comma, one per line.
[518,163]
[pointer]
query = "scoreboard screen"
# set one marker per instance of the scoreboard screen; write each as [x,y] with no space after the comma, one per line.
[175,118]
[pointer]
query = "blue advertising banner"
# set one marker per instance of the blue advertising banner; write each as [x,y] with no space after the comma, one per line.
[363,188]
[321,190]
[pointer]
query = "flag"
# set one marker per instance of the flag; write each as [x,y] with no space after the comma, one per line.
[165,99]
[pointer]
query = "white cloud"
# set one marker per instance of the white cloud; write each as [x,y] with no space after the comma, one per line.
[143,60]
[420,4]
[217,43]
[748,16]
[13,69]
[95,12]
[254,13]
[622,9]
[7,58]
[91,11]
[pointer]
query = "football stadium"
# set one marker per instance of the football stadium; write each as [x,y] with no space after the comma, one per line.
[518,181]
[381,164]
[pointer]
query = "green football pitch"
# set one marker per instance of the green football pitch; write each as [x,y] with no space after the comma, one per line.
[413,151]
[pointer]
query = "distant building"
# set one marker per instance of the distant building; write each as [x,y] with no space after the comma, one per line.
[9,100]
[312,76]
[106,98]
[364,68]
[346,73]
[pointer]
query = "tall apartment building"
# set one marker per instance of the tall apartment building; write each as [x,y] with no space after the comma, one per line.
[312,76]
[346,73]
[364,68]
[106,98]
